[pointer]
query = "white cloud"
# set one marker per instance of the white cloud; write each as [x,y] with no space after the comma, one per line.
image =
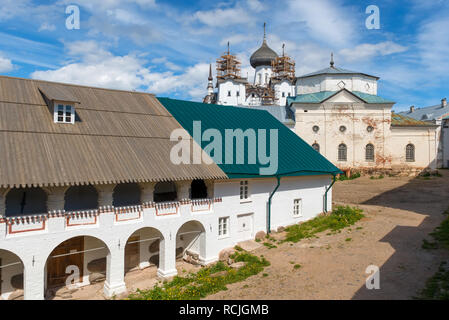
[47,27]
[98,67]
[94,5]
[223,17]
[12,8]
[433,46]
[325,20]
[5,64]
[367,51]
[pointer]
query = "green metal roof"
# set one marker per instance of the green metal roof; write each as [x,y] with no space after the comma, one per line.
[401,120]
[295,156]
[319,97]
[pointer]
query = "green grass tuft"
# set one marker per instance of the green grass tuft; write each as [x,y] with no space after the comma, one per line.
[340,218]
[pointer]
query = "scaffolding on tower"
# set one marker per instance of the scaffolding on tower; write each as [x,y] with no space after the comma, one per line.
[228,67]
[283,67]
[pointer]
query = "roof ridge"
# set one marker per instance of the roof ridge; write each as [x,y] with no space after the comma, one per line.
[77,85]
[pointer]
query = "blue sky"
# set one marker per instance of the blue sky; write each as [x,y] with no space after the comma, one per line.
[165,47]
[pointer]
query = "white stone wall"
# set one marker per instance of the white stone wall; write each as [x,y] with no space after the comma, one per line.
[285,88]
[33,247]
[233,87]
[333,83]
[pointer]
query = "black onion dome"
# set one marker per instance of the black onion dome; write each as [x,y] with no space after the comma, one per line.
[263,56]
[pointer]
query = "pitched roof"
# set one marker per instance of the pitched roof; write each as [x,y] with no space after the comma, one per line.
[283,114]
[335,71]
[118,136]
[435,112]
[295,156]
[319,97]
[399,120]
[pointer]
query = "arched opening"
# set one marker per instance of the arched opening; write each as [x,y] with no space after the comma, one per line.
[76,262]
[410,153]
[11,276]
[142,249]
[369,152]
[198,189]
[126,194]
[81,198]
[342,152]
[191,242]
[25,201]
[316,147]
[165,191]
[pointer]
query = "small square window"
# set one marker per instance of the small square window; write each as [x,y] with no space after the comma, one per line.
[297,208]
[223,227]
[244,193]
[64,114]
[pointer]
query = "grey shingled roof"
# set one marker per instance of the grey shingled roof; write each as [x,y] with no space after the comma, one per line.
[430,113]
[119,136]
[282,113]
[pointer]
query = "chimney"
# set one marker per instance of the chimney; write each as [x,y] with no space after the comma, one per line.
[412,109]
[443,102]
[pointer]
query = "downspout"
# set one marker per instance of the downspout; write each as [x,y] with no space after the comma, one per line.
[327,190]
[269,204]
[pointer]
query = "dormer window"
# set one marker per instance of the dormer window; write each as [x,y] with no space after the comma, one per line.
[64,113]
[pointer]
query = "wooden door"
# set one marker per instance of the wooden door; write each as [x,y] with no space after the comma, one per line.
[57,264]
[132,253]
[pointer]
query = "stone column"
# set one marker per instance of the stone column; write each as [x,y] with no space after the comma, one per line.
[33,279]
[210,188]
[55,198]
[105,193]
[167,256]
[115,270]
[147,191]
[182,189]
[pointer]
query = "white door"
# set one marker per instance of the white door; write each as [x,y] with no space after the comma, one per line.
[245,227]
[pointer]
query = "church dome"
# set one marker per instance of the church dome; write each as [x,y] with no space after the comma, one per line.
[263,56]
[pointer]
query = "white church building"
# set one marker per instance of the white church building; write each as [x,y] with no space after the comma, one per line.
[88,190]
[338,112]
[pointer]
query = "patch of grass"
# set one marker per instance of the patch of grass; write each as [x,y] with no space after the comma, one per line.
[198,285]
[352,177]
[265,275]
[348,239]
[437,287]
[296,266]
[340,218]
[269,245]
[377,178]
[441,236]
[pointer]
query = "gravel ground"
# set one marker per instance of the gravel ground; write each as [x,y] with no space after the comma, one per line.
[400,213]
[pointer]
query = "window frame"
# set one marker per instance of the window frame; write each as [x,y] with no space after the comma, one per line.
[68,113]
[297,208]
[340,148]
[223,227]
[244,193]
[367,147]
[413,155]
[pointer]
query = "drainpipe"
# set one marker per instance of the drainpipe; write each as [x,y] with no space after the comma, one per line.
[269,204]
[327,190]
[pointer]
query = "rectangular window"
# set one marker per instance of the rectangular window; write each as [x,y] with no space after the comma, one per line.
[297,208]
[244,193]
[283,94]
[223,226]
[64,114]
[238,93]
[229,93]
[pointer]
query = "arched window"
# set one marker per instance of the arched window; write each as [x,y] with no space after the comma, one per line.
[25,201]
[81,198]
[165,191]
[198,189]
[410,153]
[369,152]
[316,146]
[126,194]
[342,152]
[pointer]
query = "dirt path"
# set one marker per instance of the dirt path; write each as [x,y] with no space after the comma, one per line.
[400,213]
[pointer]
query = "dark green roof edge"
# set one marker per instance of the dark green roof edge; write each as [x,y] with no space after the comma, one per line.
[320,97]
